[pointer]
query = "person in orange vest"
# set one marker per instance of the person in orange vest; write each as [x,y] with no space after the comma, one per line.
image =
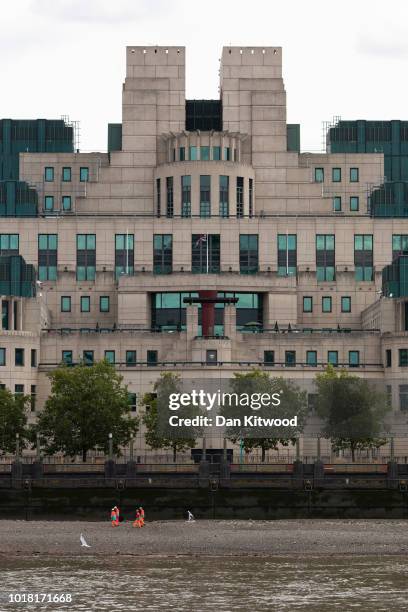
[142,516]
[137,522]
[114,517]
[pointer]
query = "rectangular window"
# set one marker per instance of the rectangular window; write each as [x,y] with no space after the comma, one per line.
[110,356]
[216,153]
[84,175]
[47,257]
[174,155]
[325,257]
[326,303]
[224,196]
[205,253]
[193,154]
[363,257]
[307,303]
[403,358]
[290,358]
[33,397]
[399,245]
[388,358]
[251,198]
[169,197]
[240,196]
[9,244]
[48,174]
[85,303]
[186,196]
[130,358]
[67,357]
[65,303]
[205,153]
[333,358]
[354,203]
[227,154]
[66,175]
[49,202]
[88,357]
[182,153]
[2,356]
[66,202]
[269,358]
[345,303]
[311,358]
[162,253]
[205,196]
[33,358]
[287,254]
[158,198]
[104,303]
[354,175]
[403,397]
[336,175]
[319,175]
[211,357]
[132,398]
[248,253]
[152,358]
[354,359]
[18,389]
[124,254]
[19,357]
[337,204]
[86,257]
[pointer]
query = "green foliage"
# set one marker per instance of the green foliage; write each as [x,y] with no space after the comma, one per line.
[85,405]
[352,410]
[155,419]
[293,402]
[13,420]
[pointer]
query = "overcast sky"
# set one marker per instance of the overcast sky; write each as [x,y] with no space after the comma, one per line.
[67,57]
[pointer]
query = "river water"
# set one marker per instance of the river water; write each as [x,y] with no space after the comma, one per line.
[198,584]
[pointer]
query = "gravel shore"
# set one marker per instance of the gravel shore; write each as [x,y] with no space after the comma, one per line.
[294,537]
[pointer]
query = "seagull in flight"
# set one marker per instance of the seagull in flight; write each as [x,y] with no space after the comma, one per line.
[190,516]
[84,542]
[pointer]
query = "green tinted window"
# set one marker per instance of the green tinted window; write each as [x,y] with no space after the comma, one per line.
[319,175]
[354,203]
[326,304]
[204,153]
[66,174]
[48,174]
[193,153]
[104,303]
[336,175]
[49,202]
[110,356]
[66,303]
[307,304]
[354,175]
[66,203]
[216,153]
[84,174]
[311,358]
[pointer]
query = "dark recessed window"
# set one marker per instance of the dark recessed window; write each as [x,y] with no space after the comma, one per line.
[354,359]
[88,357]
[311,358]
[345,303]
[85,303]
[66,175]
[66,303]
[307,303]
[67,357]
[33,358]
[19,357]
[388,358]
[130,358]
[290,358]
[104,303]
[152,357]
[211,357]
[2,356]
[269,358]
[110,356]
[403,358]
[333,357]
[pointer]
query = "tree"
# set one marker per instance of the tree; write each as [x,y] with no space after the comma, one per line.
[86,404]
[158,433]
[13,420]
[352,410]
[293,402]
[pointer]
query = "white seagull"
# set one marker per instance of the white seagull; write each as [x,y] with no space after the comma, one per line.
[83,541]
[190,516]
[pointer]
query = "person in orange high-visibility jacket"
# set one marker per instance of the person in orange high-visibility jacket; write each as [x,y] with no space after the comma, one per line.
[142,516]
[137,522]
[114,517]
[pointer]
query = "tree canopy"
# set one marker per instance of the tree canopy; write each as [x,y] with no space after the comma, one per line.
[352,409]
[13,420]
[85,405]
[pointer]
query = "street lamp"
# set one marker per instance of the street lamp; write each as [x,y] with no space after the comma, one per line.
[131,448]
[17,446]
[110,447]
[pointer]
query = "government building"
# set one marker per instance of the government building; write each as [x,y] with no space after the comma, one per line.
[204,242]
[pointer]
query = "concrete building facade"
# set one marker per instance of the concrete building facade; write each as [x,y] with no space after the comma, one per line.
[120,239]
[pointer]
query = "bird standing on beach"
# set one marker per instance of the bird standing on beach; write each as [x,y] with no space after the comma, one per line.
[83,541]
